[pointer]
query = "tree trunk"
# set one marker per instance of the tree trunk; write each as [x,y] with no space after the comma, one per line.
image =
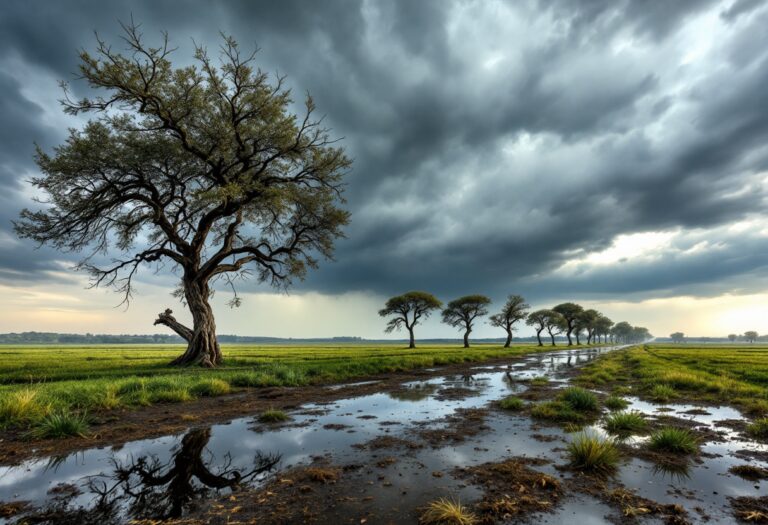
[509,339]
[578,341]
[553,338]
[466,338]
[202,347]
[570,342]
[412,341]
[538,336]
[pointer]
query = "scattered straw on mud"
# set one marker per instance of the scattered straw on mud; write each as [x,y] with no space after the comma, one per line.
[750,510]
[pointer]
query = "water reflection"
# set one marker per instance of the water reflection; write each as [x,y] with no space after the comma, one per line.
[148,487]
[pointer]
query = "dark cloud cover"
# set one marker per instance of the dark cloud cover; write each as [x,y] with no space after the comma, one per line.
[492,140]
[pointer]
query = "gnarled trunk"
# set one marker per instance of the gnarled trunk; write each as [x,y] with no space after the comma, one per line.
[538,336]
[509,339]
[466,338]
[202,347]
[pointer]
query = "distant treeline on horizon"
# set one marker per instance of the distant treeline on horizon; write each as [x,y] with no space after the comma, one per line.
[57,338]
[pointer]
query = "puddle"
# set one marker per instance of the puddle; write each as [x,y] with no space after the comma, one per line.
[397,480]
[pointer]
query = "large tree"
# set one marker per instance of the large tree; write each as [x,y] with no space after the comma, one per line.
[571,313]
[750,336]
[201,168]
[545,319]
[677,337]
[586,321]
[408,309]
[514,310]
[462,313]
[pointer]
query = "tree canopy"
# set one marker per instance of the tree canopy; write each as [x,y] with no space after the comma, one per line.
[570,313]
[463,312]
[408,309]
[514,310]
[201,169]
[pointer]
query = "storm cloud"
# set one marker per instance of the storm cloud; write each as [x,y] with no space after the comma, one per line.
[494,143]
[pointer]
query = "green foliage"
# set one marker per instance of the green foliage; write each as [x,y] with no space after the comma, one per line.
[674,440]
[21,408]
[759,428]
[580,399]
[616,403]
[662,393]
[625,423]
[559,411]
[589,452]
[511,403]
[61,425]
[210,387]
[273,416]
[539,381]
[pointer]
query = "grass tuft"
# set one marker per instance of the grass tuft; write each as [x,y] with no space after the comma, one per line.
[210,387]
[591,453]
[273,416]
[580,399]
[616,403]
[447,512]
[511,403]
[674,440]
[557,411]
[61,425]
[758,428]
[662,393]
[625,423]
[539,381]
[22,407]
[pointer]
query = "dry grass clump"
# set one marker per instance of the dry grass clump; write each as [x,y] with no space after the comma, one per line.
[447,512]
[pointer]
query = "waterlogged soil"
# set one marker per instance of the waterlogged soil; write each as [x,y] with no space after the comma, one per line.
[381,452]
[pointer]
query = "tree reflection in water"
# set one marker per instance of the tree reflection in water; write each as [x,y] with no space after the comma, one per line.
[156,489]
[149,488]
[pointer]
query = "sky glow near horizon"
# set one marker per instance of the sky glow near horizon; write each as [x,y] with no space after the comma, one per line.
[595,152]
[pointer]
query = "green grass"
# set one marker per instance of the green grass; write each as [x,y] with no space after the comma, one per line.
[616,403]
[589,452]
[559,411]
[759,428]
[580,399]
[273,416]
[38,380]
[539,381]
[674,440]
[734,375]
[61,425]
[511,403]
[662,393]
[625,423]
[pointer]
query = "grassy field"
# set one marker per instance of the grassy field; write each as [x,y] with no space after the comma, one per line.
[734,375]
[41,384]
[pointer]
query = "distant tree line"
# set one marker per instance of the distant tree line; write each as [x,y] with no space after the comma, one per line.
[750,336]
[411,308]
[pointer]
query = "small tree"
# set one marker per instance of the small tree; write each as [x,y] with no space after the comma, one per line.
[538,320]
[513,311]
[677,337]
[732,337]
[750,336]
[603,328]
[200,168]
[570,313]
[555,324]
[622,332]
[463,311]
[408,309]
[586,322]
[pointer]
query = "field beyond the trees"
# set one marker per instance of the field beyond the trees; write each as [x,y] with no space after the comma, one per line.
[729,374]
[36,381]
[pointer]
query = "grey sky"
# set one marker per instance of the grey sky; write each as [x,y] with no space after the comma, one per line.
[499,147]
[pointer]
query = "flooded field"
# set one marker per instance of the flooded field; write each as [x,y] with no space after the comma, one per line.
[380,458]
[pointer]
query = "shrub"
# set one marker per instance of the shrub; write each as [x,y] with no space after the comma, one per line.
[625,423]
[447,512]
[557,411]
[759,428]
[580,399]
[674,440]
[21,407]
[210,387]
[511,403]
[273,416]
[589,452]
[662,393]
[616,403]
[60,425]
